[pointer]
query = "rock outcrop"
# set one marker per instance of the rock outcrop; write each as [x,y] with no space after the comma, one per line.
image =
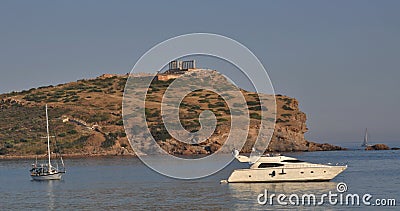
[378,147]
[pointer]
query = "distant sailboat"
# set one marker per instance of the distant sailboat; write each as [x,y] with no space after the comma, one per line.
[46,171]
[365,143]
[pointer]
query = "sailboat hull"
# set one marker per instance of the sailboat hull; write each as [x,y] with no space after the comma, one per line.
[55,176]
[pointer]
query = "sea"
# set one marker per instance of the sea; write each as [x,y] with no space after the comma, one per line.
[125,183]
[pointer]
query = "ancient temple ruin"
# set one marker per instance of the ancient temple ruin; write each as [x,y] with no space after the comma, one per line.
[177,68]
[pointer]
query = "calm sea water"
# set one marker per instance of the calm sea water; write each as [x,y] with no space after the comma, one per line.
[127,184]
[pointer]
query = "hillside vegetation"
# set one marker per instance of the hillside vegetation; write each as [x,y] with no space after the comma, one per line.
[85,118]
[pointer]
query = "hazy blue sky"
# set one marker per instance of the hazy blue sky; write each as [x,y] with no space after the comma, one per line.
[340,59]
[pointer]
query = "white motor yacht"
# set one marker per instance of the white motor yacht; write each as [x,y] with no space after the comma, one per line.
[278,168]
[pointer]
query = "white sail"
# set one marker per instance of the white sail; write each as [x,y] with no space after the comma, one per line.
[365,143]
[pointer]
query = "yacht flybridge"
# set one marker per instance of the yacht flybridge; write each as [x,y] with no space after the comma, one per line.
[278,168]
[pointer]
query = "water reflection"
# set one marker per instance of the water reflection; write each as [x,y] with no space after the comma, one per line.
[50,194]
[242,192]
[46,189]
[286,187]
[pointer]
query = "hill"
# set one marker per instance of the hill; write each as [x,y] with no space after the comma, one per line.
[85,117]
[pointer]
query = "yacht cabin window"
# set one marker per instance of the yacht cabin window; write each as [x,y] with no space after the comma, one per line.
[292,161]
[268,165]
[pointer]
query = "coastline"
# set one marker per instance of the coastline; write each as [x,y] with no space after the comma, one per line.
[77,155]
[26,157]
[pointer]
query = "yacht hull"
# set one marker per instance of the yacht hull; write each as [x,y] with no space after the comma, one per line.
[56,176]
[300,174]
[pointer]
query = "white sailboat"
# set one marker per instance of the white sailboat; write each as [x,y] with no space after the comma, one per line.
[365,143]
[46,171]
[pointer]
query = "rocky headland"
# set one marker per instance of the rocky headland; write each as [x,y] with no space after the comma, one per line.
[86,120]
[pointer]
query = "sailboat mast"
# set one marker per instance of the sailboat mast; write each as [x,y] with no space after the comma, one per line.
[48,137]
[366,136]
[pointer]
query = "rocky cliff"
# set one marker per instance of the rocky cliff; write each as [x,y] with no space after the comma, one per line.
[290,128]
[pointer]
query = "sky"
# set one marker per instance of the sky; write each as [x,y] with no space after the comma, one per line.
[340,59]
